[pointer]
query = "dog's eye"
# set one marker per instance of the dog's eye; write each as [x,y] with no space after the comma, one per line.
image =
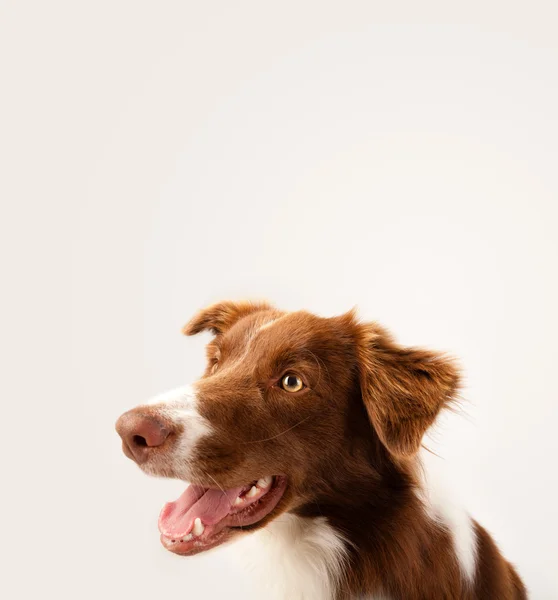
[291,383]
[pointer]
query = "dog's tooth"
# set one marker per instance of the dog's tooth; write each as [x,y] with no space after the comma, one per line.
[253,492]
[187,538]
[238,501]
[198,527]
[264,482]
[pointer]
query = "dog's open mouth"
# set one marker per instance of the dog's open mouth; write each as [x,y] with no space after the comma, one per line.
[203,518]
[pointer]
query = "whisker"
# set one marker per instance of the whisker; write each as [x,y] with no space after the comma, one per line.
[216,483]
[279,434]
[219,486]
[320,364]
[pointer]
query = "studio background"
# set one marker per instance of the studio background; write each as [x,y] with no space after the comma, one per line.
[156,157]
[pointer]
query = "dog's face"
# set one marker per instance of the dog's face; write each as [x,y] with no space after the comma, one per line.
[291,408]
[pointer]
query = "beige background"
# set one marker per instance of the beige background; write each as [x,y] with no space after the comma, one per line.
[155,156]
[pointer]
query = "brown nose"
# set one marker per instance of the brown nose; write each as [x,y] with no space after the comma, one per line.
[140,433]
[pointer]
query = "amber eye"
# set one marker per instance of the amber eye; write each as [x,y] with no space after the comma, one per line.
[291,383]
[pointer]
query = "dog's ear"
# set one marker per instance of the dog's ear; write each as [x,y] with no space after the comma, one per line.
[403,389]
[220,317]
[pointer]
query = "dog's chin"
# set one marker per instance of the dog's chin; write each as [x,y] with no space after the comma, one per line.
[206,517]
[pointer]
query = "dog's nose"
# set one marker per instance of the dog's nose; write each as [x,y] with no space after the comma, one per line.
[140,433]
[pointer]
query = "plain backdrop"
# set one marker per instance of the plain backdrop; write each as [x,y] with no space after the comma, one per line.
[158,156]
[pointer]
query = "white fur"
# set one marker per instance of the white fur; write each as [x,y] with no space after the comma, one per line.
[441,506]
[180,406]
[294,558]
[270,323]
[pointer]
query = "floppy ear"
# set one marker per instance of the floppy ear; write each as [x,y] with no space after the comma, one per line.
[403,389]
[221,316]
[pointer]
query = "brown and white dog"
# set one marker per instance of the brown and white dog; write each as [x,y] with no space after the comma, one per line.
[303,438]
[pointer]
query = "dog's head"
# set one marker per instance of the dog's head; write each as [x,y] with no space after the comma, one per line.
[292,408]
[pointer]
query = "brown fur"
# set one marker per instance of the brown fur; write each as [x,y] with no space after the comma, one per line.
[347,442]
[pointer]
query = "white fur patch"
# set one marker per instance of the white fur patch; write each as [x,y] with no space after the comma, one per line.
[180,406]
[294,558]
[270,323]
[440,506]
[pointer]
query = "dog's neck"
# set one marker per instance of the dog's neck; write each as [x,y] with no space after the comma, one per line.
[345,549]
[295,558]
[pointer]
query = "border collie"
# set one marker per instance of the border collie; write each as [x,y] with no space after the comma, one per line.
[303,440]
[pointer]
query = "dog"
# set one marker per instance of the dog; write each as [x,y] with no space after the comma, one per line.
[303,440]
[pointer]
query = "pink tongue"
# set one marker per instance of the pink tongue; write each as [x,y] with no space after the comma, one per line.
[211,506]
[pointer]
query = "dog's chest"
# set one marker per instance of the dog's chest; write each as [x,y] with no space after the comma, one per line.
[294,558]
